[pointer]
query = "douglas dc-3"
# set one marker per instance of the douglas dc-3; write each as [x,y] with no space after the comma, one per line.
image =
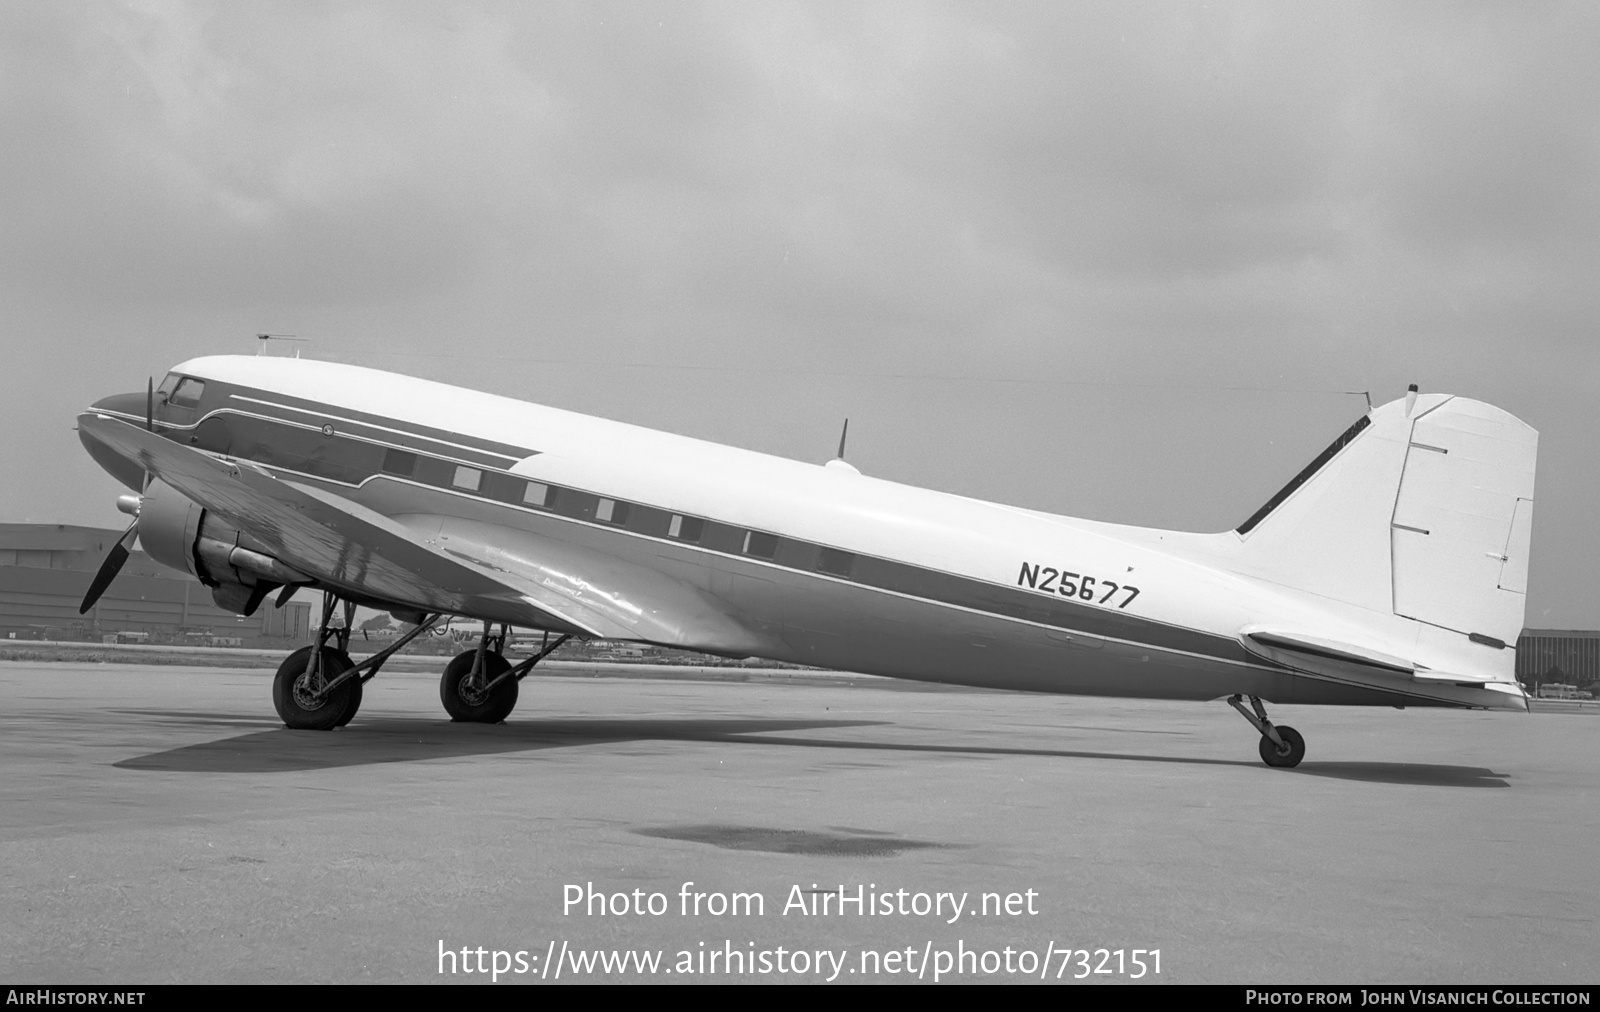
[1391,571]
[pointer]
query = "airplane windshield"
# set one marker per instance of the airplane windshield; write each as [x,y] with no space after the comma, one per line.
[165,389]
[188,392]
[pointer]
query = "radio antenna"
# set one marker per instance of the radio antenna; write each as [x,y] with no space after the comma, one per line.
[262,339]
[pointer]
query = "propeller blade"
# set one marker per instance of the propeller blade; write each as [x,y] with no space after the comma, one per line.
[843,433]
[288,592]
[150,404]
[108,569]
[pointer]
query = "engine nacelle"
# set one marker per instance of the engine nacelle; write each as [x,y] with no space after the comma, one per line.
[179,533]
[169,527]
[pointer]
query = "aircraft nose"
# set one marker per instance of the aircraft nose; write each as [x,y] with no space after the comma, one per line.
[129,408]
[122,404]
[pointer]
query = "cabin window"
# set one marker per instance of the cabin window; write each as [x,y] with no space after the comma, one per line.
[685,528]
[188,392]
[610,511]
[835,563]
[536,494]
[400,462]
[467,478]
[762,546]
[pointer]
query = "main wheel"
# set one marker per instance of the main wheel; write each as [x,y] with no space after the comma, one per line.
[355,698]
[294,700]
[1286,758]
[467,702]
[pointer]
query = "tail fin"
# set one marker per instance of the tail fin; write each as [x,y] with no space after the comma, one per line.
[1422,509]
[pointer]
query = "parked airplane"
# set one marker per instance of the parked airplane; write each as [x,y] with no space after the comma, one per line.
[1391,571]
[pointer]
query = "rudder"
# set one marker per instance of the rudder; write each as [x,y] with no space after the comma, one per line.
[1463,521]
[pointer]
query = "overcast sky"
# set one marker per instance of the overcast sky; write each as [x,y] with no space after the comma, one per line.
[1115,260]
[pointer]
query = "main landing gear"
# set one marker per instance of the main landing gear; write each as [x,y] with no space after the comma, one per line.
[1281,746]
[318,688]
[480,685]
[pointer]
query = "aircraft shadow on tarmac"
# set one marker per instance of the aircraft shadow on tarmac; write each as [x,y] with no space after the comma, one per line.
[390,740]
[1420,774]
[394,740]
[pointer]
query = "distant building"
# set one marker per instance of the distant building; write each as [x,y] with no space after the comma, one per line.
[46,568]
[1566,656]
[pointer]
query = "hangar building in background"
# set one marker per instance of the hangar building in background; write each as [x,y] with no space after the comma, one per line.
[1570,656]
[46,568]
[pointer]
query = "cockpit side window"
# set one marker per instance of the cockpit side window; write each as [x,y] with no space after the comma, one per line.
[165,389]
[187,393]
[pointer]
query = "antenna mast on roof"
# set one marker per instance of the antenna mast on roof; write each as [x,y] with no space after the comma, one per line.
[262,339]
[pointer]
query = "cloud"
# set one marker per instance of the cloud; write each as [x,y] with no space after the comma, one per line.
[896,167]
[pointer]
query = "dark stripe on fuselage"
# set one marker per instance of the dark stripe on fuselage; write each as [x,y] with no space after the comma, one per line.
[352,459]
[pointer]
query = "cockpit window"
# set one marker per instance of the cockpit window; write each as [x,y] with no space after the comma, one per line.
[165,389]
[188,392]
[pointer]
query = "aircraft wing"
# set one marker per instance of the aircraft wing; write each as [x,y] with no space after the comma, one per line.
[439,563]
[615,598]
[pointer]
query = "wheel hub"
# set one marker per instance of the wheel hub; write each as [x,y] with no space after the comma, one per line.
[306,697]
[471,693]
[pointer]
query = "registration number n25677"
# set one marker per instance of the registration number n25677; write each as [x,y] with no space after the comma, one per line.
[1079,586]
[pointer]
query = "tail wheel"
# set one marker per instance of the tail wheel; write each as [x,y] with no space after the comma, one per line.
[1287,757]
[465,701]
[296,701]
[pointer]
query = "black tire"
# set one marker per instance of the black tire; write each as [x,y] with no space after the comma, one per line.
[1284,760]
[475,706]
[304,714]
[355,698]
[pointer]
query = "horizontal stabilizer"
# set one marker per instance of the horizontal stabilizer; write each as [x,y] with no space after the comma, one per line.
[1364,664]
[1318,646]
[1430,675]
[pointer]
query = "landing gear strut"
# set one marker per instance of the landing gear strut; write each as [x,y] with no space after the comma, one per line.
[480,685]
[1281,746]
[318,688]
